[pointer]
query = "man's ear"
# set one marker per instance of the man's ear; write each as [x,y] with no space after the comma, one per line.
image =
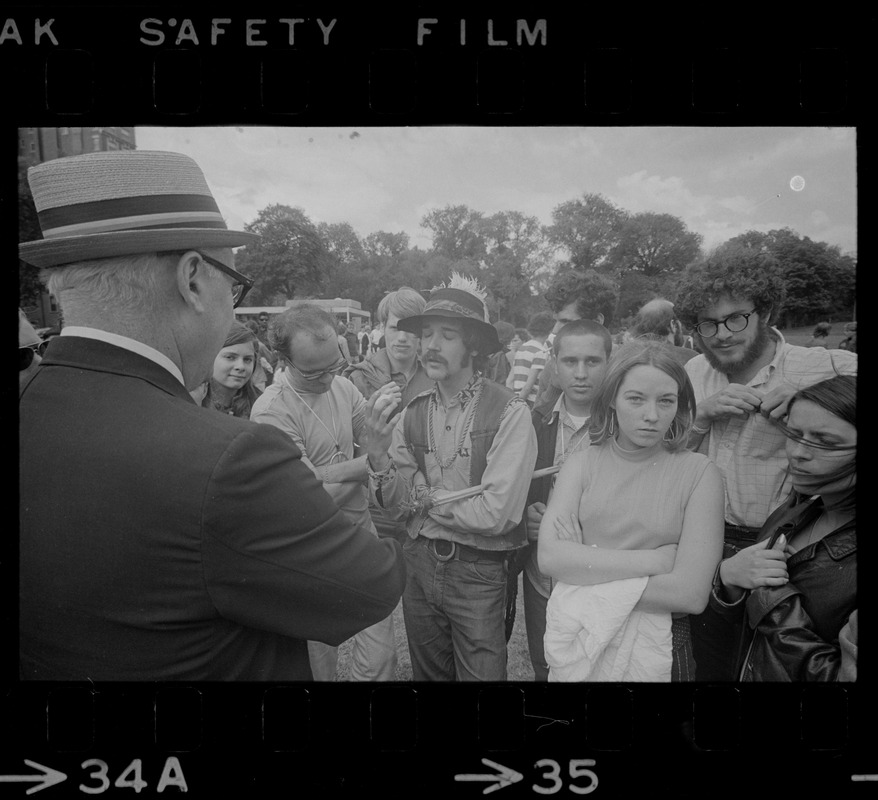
[766,315]
[191,275]
[599,318]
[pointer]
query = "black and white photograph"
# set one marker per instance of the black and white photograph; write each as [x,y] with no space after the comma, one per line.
[711,242]
[332,429]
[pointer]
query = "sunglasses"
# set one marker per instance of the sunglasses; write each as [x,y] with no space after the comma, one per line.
[27,353]
[335,369]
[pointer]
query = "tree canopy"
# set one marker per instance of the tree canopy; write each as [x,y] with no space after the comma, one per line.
[289,258]
[588,230]
[820,281]
[624,258]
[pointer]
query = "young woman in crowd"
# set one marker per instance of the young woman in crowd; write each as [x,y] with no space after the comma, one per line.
[230,388]
[795,590]
[633,531]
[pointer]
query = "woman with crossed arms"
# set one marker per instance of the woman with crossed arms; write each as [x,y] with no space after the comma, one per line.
[633,531]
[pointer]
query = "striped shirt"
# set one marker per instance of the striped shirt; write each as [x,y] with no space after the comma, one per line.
[750,452]
[530,354]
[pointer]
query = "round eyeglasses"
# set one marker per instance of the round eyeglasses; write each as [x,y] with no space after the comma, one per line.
[734,323]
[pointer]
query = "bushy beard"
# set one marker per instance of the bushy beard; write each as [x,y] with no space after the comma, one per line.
[749,357]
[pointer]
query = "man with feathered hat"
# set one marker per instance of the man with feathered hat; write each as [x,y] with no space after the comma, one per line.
[171,542]
[466,435]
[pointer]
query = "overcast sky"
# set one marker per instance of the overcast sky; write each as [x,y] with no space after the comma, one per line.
[719,181]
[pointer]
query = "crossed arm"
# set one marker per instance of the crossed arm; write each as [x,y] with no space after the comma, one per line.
[679,575]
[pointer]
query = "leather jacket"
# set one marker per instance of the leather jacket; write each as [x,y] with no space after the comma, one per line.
[791,632]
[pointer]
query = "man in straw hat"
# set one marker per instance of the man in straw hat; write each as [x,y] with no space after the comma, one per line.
[467,432]
[173,542]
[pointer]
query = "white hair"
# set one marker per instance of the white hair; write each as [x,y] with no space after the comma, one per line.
[123,282]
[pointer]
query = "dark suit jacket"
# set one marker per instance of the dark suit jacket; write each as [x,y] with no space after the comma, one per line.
[164,541]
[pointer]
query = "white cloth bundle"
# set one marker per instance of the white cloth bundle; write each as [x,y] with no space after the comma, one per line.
[594,633]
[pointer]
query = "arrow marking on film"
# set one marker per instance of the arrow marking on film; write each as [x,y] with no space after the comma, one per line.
[504,776]
[49,777]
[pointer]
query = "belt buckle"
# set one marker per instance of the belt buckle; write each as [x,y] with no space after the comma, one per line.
[451,552]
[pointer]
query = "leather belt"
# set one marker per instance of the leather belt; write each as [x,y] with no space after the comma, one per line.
[445,550]
[742,531]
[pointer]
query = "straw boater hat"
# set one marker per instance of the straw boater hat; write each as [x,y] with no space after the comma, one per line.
[462,298]
[124,202]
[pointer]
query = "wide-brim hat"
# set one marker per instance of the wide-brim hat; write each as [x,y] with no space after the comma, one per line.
[456,304]
[123,202]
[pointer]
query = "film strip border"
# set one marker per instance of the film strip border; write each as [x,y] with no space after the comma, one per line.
[350,738]
[264,67]
[413,739]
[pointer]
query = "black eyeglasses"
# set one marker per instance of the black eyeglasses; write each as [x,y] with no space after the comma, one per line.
[26,354]
[734,323]
[242,283]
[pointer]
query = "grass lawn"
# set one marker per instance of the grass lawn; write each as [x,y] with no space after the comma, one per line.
[801,336]
[518,666]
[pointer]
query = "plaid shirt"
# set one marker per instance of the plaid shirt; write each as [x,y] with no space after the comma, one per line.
[750,453]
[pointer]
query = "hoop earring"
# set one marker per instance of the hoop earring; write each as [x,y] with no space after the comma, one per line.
[672,432]
[611,426]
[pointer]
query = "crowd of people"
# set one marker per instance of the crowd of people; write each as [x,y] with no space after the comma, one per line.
[236,500]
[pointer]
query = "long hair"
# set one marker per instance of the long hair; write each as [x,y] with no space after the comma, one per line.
[474,341]
[244,398]
[838,396]
[637,352]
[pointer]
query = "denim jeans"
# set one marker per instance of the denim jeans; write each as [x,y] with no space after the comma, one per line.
[715,639]
[454,616]
[373,656]
[535,621]
[683,668]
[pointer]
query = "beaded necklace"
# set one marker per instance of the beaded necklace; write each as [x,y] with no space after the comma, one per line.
[445,463]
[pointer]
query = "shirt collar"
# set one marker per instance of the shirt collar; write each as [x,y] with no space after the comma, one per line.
[125,343]
[560,412]
[779,345]
[559,404]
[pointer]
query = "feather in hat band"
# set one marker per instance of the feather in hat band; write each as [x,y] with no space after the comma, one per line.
[459,302]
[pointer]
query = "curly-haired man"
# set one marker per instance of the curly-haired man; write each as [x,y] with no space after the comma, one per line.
[743,381]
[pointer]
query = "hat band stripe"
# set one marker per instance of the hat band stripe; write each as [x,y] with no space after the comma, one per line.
[131,207]
[449,305]
[451,297]
[192,219]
